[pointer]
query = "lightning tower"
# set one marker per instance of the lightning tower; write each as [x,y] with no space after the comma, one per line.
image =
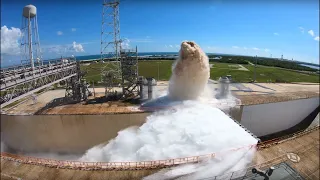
[120,68]
[110,45]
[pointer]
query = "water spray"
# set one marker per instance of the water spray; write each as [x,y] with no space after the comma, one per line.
[188,124]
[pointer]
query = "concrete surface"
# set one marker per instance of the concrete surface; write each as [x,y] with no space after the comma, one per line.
[77,132]
[63,133]
[264,119]
[29,107]
[246,92]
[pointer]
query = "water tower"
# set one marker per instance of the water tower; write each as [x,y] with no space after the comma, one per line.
[29,41]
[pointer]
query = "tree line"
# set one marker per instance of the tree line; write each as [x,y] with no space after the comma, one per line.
[262,61]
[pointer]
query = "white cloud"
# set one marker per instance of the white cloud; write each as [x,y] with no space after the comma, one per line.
[245,48]
[10,40]
[125,44]
[64,49]
[91,42]
[170,46]
[59,33]
[177,46]
[73,29]
[77,47]
[276,53]
[276,34]
[266,50]
[301,29]
[311,32]
[235,47]
[256,49]
[316,38]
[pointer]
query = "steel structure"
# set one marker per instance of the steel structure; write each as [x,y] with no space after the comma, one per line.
[129,71]
[77,88]
[29,42]
[20,81]
[121,65]
[110,45]
[31,76]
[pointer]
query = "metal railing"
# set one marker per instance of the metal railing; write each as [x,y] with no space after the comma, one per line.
[114,165]
[144,164]
[22,81]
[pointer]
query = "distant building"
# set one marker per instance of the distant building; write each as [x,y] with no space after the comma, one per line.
[218,57]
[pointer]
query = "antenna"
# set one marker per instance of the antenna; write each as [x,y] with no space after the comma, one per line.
[29,40]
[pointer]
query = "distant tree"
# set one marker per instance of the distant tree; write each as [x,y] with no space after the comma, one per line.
[264,61]
[228,59]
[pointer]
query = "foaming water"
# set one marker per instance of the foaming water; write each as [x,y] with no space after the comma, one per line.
[164,101]
[188,121]
[224,167]
[189,129]
[3,147]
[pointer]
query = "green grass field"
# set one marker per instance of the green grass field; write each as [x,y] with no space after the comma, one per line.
[263,73]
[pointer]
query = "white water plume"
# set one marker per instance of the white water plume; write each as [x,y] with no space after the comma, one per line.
[187,123]
[190,129]
[3,147]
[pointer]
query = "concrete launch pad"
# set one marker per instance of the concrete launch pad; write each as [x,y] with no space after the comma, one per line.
[248,93]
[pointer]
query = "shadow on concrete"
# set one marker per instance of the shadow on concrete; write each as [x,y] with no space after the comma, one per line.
[304,124]
[54,103]
[263,86]
[160,103]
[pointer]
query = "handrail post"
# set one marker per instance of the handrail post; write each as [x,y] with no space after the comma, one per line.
[231,175]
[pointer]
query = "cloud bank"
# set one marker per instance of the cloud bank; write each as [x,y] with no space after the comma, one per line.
[10,40]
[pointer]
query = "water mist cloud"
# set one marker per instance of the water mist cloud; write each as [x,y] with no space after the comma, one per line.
[190,124]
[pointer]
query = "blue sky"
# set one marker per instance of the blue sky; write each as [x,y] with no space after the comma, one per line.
[243,27]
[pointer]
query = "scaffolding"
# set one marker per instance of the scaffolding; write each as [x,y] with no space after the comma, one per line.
[129,71]
[77,87]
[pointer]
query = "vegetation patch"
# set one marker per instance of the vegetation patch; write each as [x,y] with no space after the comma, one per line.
[148,68]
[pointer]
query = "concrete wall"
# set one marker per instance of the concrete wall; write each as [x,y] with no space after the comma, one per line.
[264,119]
[63,133]
[77,133]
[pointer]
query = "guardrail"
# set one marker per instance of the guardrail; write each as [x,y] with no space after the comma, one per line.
[138,165]
[115,165]
[23,77]
[268,143]
[16,85]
